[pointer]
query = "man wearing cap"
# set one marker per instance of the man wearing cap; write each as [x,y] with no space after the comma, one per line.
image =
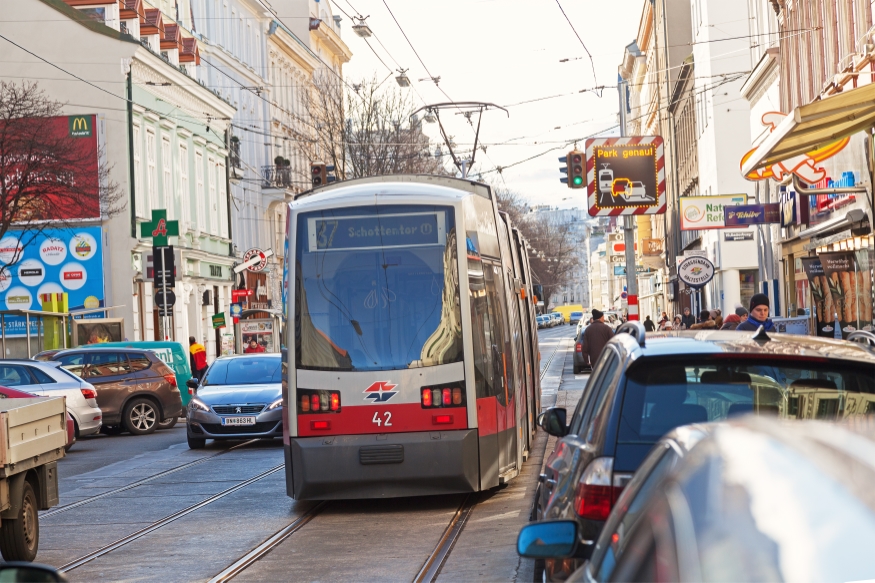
[758,316]
[596,336]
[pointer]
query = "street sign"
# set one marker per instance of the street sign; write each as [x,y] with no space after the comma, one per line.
[696,271]
[252,254]
[165,298]
[236,310]
[618,259]
[159,229]
[625,176]
[164,267]
[219,321]
[236,294]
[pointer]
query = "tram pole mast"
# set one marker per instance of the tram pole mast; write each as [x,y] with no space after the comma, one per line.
[628,225]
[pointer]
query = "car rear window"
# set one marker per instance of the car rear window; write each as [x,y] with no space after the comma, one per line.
[663,394]
[245,371]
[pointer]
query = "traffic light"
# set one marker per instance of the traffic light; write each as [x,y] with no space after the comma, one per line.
[575,170]
[330,177]
[564,170]
[320,174]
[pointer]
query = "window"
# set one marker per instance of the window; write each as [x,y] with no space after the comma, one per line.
[199,191]
[223,201]
[139,361]
[245,371]
[214,207]
[41,377]
[183,196]
[138,171]
[14,376]
[75,363]
[104,364]
[168,201]
[151,171]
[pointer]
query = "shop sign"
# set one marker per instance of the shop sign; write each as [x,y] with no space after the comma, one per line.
[621,270]
[696,271]
[793,211]
[618,259]
[752,214]
[652,247]
[252,254]
[821,206]
[706,212]
[738,236]
[218,321]
[621,247]
[625,176]
[54,261]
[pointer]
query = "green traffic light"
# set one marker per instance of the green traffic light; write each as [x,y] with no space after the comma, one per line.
[578,180]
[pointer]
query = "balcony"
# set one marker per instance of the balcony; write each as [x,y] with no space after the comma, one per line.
[276,176]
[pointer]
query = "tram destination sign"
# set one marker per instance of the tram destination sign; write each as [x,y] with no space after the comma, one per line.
[625,176]
[376,231]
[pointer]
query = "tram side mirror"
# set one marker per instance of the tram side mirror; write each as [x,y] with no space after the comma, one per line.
[192,385]
[21,571]
[553,421]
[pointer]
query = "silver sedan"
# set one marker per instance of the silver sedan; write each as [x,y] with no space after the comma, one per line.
[240,397]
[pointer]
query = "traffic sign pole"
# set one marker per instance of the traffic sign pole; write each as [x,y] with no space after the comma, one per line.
[629,225]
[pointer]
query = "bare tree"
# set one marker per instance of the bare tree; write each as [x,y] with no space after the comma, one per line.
[366,131]
[556,254]
[48,179]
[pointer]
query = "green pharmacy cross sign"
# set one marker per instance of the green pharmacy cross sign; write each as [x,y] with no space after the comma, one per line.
[159,229]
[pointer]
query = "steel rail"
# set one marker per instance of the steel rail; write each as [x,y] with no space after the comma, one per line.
[274,541]
[546,366]
[185,466]
[164,521]
[432,566]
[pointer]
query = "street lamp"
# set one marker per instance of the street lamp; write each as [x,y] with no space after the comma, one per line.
[362,29]
[402,79]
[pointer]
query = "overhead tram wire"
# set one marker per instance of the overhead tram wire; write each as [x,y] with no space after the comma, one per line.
[591,62]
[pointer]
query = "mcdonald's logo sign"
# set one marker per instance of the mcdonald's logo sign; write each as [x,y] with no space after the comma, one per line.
[80,126]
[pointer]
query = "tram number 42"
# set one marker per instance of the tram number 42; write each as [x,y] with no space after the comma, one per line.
[382,420]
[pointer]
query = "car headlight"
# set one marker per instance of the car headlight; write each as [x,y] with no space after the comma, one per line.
[196,403]
[275,404]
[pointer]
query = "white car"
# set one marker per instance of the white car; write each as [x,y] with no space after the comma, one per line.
[48,379]
[637,192]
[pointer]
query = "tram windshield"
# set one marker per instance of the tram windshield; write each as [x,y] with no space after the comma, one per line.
[377,288]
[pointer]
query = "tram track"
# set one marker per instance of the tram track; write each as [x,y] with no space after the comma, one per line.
[185,466]
[546,366]
[75,564]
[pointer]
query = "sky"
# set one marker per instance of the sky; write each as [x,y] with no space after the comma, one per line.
[505,52]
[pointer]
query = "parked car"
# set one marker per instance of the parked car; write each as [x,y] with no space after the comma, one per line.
[581,360]
[640,391]
[7,393]
[749,500]
[558,317]
[574,318]
[48,379]
[239,397]
[541,320]
[135,390]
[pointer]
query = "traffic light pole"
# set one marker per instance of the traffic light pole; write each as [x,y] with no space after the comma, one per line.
[628,225]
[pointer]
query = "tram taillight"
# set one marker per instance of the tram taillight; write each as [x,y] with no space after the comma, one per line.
[443,396]
[311,401]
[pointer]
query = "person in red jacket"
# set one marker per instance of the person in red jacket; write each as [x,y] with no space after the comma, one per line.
[197,358]
[254,346]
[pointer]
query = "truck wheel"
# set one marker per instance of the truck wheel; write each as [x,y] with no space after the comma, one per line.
[167,423]
[195,443]
[19,538]
[141,417]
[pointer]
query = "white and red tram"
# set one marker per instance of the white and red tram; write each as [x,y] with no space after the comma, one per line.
[412,360]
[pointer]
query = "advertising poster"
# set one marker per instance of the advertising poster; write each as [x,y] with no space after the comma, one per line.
[707,212]
[823,303]
[850,290]
[57,261]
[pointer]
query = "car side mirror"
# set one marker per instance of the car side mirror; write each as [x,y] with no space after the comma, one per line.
[21,571]
[192,385]
[553,421]
[554,539]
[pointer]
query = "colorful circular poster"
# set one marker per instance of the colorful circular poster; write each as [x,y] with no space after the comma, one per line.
[83,246]
[53,251]
[5,280]
[9,248]
[73,276]
[31,272]
[18,298]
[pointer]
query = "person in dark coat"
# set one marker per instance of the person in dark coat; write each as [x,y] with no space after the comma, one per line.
[758,316]
[687,320]
[707,322]
[731,322]
[596,336]
[649,326]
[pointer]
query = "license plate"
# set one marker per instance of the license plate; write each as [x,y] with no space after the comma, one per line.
[238,420]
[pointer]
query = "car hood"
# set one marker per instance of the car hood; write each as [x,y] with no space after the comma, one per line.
[239,394]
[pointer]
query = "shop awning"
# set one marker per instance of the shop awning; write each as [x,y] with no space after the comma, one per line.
[815,126]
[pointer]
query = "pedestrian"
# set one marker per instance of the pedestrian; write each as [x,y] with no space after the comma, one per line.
[663,319]
[197,358]
[741,312]
[758,315]
[253,347]
[595,337]
[678,322]
[707,323]
[731,322]
[718,319]
[649,326]
[688,319]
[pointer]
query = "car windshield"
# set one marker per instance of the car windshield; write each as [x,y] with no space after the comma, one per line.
[663,394]
[245,371]
[377,288]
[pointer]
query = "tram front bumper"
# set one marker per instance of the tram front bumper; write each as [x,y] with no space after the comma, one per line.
[383,466]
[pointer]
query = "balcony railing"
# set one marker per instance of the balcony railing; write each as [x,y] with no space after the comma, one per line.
[276,176]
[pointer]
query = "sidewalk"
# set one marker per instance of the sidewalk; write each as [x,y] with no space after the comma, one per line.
[486,548]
